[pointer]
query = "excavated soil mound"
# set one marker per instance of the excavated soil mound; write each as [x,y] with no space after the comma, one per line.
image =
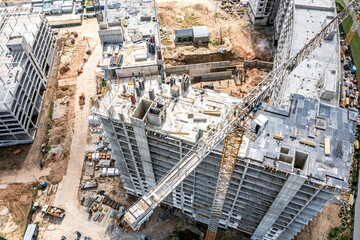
[64,69]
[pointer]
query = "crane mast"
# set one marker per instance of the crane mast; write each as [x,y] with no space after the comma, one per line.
[235,124]
[229,155]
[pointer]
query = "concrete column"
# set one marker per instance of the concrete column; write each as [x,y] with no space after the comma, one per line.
[287,233]
[134,162]
[120,159]
[182,185]
[287,192]
[238,192]
[143,146]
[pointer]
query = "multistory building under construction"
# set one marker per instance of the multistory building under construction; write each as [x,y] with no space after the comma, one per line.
[299,160]
[319,74]
[263,12]
[27,49]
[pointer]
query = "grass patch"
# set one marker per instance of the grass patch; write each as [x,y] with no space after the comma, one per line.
[50,114]
[337,233]
[355,42]
[46,147]
[334,232]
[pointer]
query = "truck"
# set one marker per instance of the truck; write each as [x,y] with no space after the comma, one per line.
[31,232]
[53,211]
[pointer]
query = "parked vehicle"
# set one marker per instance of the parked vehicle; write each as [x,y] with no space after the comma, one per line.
[53,211]
[85,238]
[31,232]
[88,184]
[346,102]
[82,99]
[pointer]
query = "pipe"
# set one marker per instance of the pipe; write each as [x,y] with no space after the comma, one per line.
[212,112]
[343,225]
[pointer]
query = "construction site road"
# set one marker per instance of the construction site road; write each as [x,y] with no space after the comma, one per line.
[67,194]
[23,176]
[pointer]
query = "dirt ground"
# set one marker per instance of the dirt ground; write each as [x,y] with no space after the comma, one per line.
[15,202]
[66,195]
[61,131]
[320,226]
[240,39]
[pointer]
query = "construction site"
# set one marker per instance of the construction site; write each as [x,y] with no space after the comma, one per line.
[178,120]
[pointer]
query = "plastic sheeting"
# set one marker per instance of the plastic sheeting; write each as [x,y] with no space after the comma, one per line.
[114,6]
[110,172]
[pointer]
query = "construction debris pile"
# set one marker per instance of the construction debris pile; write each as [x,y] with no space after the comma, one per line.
[349,92]
[101,207]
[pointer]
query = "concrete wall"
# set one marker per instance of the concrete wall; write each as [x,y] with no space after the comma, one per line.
[286,194]
[210,76]
[136,71]
[258,64]
[201,40]
[188,68]
[317,8]
[113,35]
[143,146]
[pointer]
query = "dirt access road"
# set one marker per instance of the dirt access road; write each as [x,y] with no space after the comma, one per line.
[67,194]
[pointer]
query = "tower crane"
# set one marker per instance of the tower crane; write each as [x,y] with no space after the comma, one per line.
[231,128]
[350,34]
